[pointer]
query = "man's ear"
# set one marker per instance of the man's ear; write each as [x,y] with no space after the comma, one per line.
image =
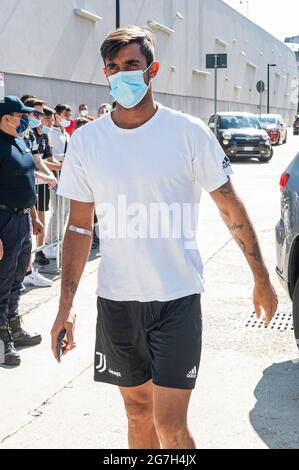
[154,69]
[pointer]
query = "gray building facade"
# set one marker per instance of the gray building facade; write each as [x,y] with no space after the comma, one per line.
[52,50]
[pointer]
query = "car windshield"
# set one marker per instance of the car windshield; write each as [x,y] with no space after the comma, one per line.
[239,122]
[267,120]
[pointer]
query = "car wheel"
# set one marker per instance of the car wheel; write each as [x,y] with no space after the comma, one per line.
[266,159]
[296,312]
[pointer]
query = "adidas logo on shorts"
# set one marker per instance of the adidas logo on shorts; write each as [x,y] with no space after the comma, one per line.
[192,374]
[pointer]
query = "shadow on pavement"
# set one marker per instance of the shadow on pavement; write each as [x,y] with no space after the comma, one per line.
[248,161]
[275,416]
[50,271]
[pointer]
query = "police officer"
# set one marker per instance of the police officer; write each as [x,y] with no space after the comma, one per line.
[17,199]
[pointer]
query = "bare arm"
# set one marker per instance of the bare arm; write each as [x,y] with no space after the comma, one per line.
[53,164]
[44,172]
[40,165]
[37,226]
[75,252]
[235,216]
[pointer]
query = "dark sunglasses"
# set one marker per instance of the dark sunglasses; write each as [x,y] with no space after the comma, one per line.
[38,114]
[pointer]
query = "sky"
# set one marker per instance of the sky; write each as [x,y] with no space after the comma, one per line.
[279,18]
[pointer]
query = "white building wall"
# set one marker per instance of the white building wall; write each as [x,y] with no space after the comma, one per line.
[44,47]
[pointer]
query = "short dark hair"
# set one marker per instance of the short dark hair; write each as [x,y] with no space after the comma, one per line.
[27,97]
[122,37]
[59,108]
[81,106]
[81,121]
[31,102]
[48,111]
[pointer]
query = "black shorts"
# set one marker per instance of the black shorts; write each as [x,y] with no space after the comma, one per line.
[43,197]
[139,341]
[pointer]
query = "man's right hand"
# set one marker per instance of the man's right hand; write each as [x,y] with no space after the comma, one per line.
[52,181]
[1,250]
[65,320]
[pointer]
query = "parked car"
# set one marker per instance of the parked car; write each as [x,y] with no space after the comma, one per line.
[241,135]
[275,127]
[287,238]
[296,126]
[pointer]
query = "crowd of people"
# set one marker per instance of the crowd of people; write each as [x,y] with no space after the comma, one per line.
[47,136]
[33,143]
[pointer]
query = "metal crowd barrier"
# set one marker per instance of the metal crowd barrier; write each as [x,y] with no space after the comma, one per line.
[55,220]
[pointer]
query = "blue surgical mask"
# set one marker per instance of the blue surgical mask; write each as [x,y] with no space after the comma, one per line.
[65,123]
[24,123]
[46,130]
[34,122]
[128,88]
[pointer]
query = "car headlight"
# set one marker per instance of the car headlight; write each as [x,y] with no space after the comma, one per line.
[226,135]
[265,137]
[225,142]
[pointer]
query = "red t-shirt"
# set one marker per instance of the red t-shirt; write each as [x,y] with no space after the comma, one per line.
[72,127]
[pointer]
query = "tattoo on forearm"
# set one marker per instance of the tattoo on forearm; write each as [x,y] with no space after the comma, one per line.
[234,227]
[256,253]
[71,285]
[241,245]
[226,189]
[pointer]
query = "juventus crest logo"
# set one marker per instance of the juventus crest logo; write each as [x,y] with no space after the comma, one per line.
[101,367]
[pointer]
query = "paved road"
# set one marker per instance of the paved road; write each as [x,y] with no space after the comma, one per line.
[247,394]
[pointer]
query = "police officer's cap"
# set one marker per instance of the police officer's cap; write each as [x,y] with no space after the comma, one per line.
[12,104]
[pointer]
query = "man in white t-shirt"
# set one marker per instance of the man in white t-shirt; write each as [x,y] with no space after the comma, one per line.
[60,139]
[143,167]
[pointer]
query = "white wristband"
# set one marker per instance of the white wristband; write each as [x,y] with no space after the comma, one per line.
[82,231]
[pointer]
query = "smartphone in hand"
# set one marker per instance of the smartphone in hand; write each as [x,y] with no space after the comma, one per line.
[59,340]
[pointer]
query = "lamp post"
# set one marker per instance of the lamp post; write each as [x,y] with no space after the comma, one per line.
[117,7]
[247,3]
[268,86]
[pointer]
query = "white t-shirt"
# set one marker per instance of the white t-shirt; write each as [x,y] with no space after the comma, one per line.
[59,139]
[146,184]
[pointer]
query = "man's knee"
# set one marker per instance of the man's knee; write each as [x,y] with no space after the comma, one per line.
[138,412]
[171,431]
[139,406]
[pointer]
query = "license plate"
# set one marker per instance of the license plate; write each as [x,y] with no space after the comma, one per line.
[248,149]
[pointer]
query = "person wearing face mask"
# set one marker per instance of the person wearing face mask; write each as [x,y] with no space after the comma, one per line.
[44,176]
[45,151]
[17,199]
[83,114]
[58,134]
[143,167]
[59,139]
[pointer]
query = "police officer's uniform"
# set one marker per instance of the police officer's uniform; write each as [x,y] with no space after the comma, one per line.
[17,197]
